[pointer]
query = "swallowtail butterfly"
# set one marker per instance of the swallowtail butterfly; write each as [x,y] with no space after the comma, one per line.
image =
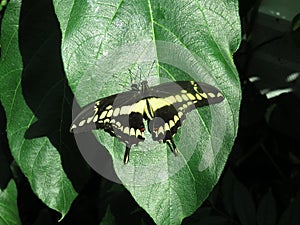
[164,107]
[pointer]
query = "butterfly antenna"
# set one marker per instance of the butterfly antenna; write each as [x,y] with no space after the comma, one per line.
[152,65]
[141,71]
[122,85]
[131,76]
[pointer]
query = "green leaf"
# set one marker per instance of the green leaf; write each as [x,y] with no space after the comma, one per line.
[108,218]
[228,184]
[204,216]
[266,212]
[142,222]
[291,215]
[9,213]
[189,40]
[244,205]
[37,158]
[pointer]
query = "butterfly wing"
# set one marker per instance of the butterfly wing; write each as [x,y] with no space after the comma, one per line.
[170,102]
[89,117]
[120,115]
[164,107]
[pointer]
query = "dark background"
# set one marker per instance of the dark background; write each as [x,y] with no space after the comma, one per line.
[261,181]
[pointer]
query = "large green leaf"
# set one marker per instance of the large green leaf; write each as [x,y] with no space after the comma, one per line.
[8,205]
[37,157]
[188,40]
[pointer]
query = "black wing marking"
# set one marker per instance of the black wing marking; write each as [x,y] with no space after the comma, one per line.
[170,102]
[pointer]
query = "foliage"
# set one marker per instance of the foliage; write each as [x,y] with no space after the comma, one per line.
[260,184]
[93,46]
[8,205]
[37,157]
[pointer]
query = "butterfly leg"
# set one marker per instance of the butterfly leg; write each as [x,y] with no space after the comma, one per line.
[172,146]
[126,155]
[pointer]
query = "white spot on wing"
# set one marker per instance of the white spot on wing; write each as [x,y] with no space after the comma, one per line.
[109,114]
[82,122]
[219,95]
[160,130]
[125,110]
[89,119]
[178,98]
[103,114]
[171,123]
[180,114]
[170,99]
[109,107]
[176,118]
[126,130]
[203,95]
[116,112]
[191,97]
[95,109]
[138,133]
[95,118]
[183,91]
[167,127]
[212,95]
[132,132]
[198,97]
[185,97]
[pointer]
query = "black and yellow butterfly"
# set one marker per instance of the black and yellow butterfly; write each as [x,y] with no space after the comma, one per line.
[164,107]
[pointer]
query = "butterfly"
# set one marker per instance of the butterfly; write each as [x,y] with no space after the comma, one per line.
[164,107]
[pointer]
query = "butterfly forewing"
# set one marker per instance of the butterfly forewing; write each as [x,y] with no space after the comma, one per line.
[170,102]
[88,118]
[114,114]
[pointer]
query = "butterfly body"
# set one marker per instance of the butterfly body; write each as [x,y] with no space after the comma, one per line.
[164,107]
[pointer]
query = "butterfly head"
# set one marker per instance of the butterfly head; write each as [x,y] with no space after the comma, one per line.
[145,86]
[135,87]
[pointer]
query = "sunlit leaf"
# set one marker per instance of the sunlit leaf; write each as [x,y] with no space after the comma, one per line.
[9,213]
[188,40]
[37,157]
